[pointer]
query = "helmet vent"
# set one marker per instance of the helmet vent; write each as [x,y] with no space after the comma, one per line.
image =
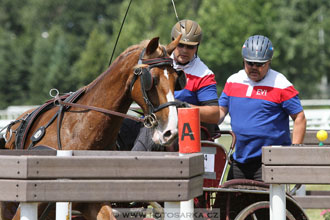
[257,48]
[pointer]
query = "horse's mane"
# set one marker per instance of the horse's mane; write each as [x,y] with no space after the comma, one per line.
[126,52]
[120,57]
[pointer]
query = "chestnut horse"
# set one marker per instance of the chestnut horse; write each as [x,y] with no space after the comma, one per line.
[142,73]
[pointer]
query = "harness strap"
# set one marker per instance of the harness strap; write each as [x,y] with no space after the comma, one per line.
[105,111]
[165,105]
[41,131]
[59,123]
[158,61]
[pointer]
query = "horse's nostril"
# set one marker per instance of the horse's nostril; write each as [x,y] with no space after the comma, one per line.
[167,134]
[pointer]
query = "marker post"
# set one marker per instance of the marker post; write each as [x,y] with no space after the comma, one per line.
[189,142]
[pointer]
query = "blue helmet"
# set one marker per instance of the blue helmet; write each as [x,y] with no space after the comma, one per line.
[257,48]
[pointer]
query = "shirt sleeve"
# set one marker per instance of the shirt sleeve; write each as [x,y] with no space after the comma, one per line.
[207,93]
[223,100]
[293,105]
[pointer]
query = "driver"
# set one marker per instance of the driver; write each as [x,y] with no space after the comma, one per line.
[260,101]
[200,90]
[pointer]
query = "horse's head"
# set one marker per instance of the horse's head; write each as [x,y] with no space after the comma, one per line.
[153,87]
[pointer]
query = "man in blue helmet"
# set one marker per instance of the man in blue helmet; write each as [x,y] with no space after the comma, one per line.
[259,101]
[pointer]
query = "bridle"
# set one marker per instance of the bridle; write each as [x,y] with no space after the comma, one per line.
[145,75]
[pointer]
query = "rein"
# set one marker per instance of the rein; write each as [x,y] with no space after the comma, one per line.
[149,120]
[102,110]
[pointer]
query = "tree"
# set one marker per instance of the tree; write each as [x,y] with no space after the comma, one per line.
[148,18]
[300,40]
[225,33]
[13,79]
[39,70]
[94,59]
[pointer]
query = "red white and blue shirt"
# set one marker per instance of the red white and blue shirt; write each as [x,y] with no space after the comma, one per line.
[201,85]
[259,112]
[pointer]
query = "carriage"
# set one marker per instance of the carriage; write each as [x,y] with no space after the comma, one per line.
[238,199]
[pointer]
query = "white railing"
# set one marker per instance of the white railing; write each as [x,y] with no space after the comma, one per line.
[11,113]
[316,118]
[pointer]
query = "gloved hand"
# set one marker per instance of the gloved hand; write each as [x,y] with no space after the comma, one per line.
[183,104]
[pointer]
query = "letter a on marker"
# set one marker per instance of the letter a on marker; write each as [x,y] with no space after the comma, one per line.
[186,126]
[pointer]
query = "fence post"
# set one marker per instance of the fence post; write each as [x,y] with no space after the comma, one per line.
[63,209]
[277,209]
[189,142]
[29,210]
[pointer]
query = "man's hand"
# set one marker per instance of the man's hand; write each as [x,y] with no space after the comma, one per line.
[183,104]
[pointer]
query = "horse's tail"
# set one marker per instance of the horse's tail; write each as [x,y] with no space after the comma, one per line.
[2,142]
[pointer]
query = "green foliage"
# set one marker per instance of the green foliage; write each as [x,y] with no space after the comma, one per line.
[301,49]
[235,22]
[13,69]
[39,70]
[93,60]
[66,44]
[148,18]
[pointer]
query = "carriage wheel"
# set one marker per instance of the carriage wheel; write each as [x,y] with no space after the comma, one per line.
[158,210]
[257,211]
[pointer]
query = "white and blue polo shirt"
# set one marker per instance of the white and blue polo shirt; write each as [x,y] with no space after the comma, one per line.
[259,112]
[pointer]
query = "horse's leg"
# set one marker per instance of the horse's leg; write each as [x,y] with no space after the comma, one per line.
[8,210]
[95,211]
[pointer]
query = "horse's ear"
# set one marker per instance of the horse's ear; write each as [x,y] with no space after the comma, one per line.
[152,46]
[170,48]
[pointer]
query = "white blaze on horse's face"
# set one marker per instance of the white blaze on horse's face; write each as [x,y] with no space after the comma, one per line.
[170,131]
[166,74]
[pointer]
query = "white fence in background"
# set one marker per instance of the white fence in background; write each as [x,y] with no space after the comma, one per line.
[11,113]
[317,118]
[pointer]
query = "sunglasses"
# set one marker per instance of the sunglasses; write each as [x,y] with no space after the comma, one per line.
[190,47]
[254,63]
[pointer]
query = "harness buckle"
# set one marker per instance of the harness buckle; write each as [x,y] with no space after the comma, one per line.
[150,121]
[138,71]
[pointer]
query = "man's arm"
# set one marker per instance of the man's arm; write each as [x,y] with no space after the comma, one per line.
[299,127]
[208,113]
[222,113]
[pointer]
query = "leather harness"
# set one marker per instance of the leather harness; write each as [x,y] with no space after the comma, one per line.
[68,100]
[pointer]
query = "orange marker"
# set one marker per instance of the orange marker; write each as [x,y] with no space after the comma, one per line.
[189,130]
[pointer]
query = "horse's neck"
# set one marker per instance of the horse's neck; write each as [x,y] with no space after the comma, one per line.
[110,92]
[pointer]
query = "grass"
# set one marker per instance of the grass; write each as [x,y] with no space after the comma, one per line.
[313,214]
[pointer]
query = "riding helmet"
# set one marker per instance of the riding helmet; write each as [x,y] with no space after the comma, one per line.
[190,30]
[257,48]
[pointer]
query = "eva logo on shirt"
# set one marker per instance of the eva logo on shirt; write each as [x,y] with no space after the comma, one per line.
[262,92]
